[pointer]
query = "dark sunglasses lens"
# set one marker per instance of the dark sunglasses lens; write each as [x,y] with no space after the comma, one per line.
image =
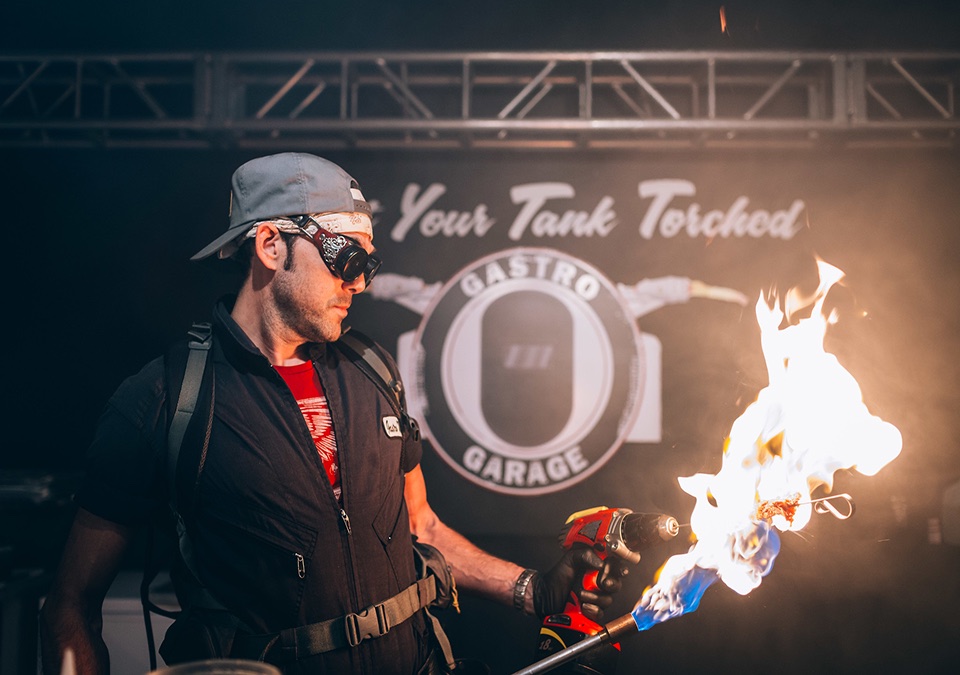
[373,264]
[351,262]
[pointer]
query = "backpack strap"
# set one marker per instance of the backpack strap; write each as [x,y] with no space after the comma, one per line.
[183,481]
[365,353]
[199,350]
[300,642]
[201,335]
[360,346]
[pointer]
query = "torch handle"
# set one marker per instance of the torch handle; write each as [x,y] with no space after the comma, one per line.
[617,627]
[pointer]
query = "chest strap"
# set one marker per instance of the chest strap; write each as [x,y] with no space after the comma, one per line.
[350,630]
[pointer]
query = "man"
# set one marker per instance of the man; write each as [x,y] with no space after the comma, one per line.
[298,486]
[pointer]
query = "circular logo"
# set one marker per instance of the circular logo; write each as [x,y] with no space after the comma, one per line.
[530,371]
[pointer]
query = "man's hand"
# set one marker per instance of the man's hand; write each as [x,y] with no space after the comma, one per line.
[552,588]
[479,572]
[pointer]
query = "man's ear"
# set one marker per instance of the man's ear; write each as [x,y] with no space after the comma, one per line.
[269,246]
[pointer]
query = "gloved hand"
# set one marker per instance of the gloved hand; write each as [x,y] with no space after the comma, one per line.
[552,588]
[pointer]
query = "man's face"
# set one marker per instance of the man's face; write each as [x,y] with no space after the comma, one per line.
[310,299]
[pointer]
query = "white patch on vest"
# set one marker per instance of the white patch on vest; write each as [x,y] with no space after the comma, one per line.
[391,425]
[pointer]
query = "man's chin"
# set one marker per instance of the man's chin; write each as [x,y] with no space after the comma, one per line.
[333,331]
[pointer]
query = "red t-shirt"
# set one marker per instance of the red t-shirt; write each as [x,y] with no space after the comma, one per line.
[305,385]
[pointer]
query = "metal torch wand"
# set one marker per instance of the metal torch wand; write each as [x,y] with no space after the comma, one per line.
[610,633]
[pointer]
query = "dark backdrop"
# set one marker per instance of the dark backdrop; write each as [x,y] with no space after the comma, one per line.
[62,25]
[98,283]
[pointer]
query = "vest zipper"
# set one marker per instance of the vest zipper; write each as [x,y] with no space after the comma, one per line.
[301,566]
[346,521]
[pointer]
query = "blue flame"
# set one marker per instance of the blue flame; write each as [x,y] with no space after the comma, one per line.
[755,550]
[691,588]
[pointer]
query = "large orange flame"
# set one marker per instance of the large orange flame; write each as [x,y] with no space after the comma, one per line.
[807,424]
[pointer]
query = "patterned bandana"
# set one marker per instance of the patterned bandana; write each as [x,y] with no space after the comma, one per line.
[336,223]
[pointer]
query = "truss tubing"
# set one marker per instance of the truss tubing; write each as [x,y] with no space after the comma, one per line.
[562,100]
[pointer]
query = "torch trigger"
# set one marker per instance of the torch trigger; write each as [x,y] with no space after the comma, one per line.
[825,505]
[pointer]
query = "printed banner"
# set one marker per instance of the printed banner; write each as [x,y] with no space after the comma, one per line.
[576,331]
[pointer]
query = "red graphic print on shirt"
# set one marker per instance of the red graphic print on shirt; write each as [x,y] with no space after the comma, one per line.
[305,385]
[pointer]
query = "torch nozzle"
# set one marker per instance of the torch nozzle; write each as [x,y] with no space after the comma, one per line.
[642,530]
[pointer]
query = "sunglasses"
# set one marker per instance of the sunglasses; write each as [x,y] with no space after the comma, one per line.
[343,255]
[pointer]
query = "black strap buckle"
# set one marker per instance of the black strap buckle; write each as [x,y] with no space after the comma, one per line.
[413,427]
[366,624]
[200,333]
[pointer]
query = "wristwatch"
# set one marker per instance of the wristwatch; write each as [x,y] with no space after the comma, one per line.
[520,589]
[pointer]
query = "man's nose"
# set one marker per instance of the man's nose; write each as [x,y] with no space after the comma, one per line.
[358,285]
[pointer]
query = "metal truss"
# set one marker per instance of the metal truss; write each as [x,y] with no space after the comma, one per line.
[519,100]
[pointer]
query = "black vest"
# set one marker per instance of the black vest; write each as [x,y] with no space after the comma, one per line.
[270,541]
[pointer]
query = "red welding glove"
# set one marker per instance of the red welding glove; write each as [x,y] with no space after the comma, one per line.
[552,589]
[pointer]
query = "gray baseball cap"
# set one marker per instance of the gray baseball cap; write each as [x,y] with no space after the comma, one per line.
[286,184]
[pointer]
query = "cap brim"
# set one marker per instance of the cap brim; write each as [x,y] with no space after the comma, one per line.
[220,242]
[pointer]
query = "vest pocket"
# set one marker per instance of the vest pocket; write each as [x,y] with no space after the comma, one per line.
[391,520]
[240,544]
[392,526]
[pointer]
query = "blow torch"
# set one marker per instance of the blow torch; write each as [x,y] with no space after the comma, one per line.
[609,532]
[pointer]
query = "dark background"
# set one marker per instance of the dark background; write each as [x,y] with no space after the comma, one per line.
[60,25]
[98,283]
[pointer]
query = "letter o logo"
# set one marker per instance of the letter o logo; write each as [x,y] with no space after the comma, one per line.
[530,371]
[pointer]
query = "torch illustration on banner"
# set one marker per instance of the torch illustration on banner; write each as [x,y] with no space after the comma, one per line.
[529,370]
[807,424]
